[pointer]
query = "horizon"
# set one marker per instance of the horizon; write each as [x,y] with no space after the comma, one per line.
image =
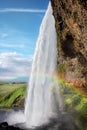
[19,28]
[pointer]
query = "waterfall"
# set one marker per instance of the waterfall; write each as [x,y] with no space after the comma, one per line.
[39,105]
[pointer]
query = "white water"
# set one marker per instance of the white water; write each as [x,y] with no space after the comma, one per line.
[43,97]
[39,102]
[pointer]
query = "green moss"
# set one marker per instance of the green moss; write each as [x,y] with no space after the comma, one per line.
[61,68]
[82,107]
[82,114]
[76,103]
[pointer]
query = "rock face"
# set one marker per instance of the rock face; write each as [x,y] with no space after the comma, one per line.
[71,26]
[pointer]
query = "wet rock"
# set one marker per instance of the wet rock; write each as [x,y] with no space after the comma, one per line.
[5,126]
[71,26]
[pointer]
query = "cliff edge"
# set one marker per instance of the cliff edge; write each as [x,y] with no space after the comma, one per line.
[71,26]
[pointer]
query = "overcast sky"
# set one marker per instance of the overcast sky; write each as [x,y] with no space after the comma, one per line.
[19,27]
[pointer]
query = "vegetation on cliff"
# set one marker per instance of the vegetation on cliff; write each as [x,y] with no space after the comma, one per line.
[75,103]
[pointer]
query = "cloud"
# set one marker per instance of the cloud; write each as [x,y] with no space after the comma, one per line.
[6,45]
[13,65]
[20,10]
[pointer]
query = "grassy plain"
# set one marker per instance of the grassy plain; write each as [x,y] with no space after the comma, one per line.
[12,94]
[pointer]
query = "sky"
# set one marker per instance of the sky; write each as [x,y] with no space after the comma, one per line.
[20,22]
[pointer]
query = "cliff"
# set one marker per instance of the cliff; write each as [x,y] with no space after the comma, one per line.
[71,26]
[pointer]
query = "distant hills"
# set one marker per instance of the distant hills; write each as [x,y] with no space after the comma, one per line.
[16,80]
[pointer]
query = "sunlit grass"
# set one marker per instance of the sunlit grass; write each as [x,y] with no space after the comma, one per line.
[12,94]
[76,102]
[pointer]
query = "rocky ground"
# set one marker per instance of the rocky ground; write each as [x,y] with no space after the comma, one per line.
[5,126]
[63,122]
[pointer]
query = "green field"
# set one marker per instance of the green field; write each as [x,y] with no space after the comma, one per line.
[12,94]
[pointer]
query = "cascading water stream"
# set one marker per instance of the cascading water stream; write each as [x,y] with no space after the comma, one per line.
[44,100]
[40,106]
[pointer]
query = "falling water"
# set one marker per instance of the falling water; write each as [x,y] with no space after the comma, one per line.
[39,106]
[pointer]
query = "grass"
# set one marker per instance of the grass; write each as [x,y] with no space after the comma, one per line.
[12,94]
[75,102]
[6,87]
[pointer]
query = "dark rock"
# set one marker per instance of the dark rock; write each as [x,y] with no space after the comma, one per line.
[5,126]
